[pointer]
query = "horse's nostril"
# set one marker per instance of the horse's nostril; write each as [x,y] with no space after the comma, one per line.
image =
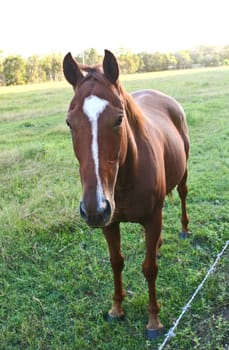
[83,212]
[107,210]
[97,218]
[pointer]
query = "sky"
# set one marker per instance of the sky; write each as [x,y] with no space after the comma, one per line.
[30,27]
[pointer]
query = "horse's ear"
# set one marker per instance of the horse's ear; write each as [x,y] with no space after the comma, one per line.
[110,67]
[71,70]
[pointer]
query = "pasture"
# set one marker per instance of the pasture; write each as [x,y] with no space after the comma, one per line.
[56,280]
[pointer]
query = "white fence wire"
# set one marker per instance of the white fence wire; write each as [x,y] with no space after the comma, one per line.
[187,306]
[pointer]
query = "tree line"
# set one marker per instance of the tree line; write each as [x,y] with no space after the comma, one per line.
[15,70]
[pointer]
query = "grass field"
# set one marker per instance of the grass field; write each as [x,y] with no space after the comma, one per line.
[56,281]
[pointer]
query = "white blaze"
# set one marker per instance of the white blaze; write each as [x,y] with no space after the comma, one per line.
[93,106]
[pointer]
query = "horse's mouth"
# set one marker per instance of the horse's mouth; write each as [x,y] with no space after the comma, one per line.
[97,223]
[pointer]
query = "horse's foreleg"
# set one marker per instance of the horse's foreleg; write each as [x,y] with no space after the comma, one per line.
[183,191]
[150,269]
[112,235]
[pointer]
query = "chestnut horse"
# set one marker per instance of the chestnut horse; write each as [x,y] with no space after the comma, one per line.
[132,151]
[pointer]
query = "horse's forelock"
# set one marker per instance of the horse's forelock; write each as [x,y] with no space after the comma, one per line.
[87,68]
[94,73]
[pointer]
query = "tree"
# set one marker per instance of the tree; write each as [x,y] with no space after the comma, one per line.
[33,69]
[56,66]
[172,61]
[1,68]
[148,61]
[207,55]
[211,60]
[91,57]
[196,56]
[51,66]
[80,57]
[153,62]
[160,61]
[183,59]
[14,70]
[46,65]
[129,63]
[225,53]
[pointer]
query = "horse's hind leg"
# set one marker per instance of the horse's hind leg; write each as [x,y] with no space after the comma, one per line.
[182,189]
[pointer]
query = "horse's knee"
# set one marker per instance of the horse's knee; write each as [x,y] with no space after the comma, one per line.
[117,263]
[150,272]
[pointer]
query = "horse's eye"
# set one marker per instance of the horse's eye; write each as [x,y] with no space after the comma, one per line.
[119,121]
[68,124]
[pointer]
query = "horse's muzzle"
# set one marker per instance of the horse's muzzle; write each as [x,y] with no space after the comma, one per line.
[96,218]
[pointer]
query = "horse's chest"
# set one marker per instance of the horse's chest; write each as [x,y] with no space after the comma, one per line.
[134,205]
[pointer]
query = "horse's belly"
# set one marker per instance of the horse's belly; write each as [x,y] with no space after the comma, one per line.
[175,163]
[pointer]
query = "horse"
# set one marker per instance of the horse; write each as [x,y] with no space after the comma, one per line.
[132,151]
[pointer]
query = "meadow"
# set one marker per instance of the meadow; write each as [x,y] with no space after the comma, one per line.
[56,281]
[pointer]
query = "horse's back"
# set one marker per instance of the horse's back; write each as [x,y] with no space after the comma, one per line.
[163,110]
[166,127]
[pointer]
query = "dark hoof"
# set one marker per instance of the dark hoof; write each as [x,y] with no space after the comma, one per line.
[110,319]
[184,235]
[152,334]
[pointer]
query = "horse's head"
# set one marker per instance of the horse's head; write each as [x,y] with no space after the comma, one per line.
[96,119]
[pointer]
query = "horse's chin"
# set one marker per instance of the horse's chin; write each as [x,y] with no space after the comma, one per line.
[99,225]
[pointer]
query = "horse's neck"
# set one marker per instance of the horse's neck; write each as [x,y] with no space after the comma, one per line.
[134,114]
[129,166]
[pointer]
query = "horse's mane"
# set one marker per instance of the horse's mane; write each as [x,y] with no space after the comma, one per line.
[133,113]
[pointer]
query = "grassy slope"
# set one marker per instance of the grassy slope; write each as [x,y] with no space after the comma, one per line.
[56,281]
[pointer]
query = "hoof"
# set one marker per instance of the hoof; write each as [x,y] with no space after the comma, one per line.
[184,235]
[110,319]
[152,334]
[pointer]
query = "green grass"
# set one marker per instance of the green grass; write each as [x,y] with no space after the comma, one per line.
[56,281]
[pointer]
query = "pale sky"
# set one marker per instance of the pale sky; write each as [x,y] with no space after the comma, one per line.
[44,26]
